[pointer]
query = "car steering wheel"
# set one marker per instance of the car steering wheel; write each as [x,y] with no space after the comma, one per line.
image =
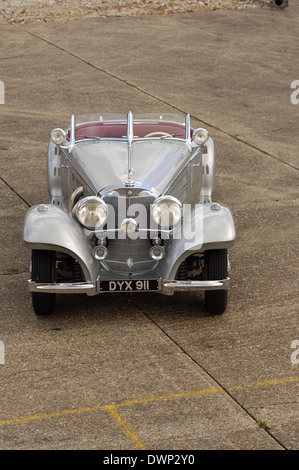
[154,134]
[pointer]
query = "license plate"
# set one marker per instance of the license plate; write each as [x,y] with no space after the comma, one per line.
[134,285]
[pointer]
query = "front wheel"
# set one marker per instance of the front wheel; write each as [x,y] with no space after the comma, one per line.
[215,267]
[42,270]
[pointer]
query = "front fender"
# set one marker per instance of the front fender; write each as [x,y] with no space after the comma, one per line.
[212,227]
[48,227]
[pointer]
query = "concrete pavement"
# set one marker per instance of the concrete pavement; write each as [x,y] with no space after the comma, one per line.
[152,372]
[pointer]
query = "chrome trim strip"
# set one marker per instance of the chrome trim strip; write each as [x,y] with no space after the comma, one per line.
[152,232]
[102,139]
[188,129]
[139,186]
[73,133]
[130,131]
[125,139]
[130,137]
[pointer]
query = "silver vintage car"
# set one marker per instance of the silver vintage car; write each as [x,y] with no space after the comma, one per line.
[131,211]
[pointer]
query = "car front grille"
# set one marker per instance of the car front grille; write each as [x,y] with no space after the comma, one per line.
[129,254]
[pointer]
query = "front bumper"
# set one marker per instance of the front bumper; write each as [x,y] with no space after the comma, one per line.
[95,288]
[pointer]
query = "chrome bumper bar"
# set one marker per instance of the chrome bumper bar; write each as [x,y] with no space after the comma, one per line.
[170,286]
[94,287]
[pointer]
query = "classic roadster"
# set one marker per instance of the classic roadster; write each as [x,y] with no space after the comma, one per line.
[131,211]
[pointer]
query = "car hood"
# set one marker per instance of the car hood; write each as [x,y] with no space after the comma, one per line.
[154,163]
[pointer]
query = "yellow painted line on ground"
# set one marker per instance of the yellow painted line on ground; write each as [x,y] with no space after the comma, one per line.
[112,407]
[205,391]
[266,383]
[172,396]
[125,427]
[57,414]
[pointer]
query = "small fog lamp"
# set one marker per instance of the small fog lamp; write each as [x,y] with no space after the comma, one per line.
[100,252]
[157,252]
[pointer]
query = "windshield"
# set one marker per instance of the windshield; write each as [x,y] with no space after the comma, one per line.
[121,126]
[99,117]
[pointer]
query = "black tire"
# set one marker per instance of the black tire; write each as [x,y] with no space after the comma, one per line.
[42,270]
[215,267]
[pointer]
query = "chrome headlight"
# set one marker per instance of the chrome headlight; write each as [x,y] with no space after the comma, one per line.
[200,136]
[92,212]
[167,211]
[58,136]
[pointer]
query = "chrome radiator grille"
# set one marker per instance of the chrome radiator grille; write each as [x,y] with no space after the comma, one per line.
[129,254]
